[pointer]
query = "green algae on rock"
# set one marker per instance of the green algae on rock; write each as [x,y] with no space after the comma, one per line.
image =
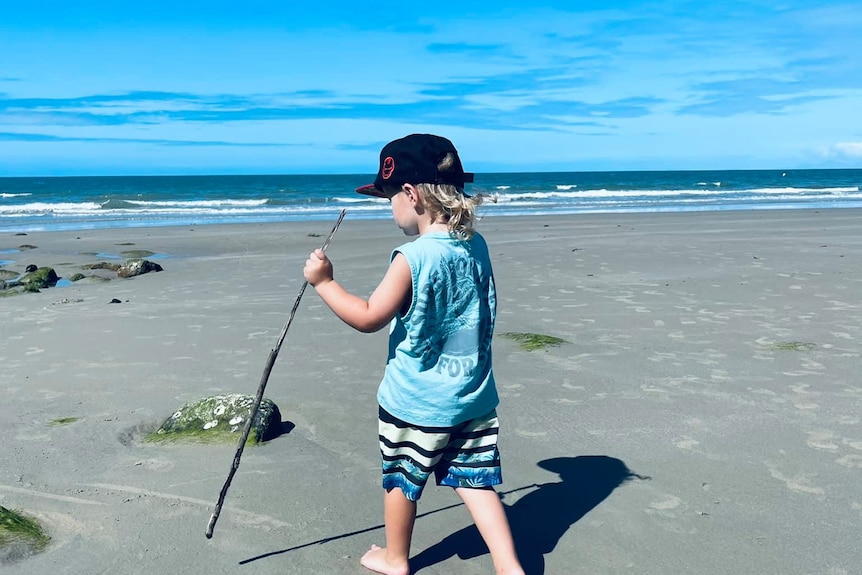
[533,341]
[20,535]
[41,278]
[137,253]
[136,267]
[793,346]
[220,418]
[101,266]
[63,420]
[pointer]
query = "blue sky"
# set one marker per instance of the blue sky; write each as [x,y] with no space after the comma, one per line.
[186,87]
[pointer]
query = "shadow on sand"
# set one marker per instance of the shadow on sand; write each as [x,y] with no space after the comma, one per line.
[540,518]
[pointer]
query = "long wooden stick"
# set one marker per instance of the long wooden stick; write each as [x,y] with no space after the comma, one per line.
[263,380]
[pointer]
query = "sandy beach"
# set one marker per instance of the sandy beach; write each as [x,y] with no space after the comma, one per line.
[704,414]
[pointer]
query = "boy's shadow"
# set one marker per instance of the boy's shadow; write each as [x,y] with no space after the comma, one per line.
[540,518]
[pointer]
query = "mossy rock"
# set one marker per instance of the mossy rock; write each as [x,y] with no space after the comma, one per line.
[137,254]
[793,346]
[136,267]
[20,535]
[63,420]
[76,277]
[95,279]
[533,341]
[220,419]
[101,266]
[41,278]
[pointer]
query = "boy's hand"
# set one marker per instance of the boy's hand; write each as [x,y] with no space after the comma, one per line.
[318,268]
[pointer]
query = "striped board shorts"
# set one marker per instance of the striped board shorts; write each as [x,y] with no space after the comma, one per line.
[464,455]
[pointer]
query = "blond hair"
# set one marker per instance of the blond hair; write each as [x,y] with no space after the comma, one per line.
[446,203]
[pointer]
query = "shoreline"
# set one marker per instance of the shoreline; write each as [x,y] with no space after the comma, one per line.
[678,414]
[383,215]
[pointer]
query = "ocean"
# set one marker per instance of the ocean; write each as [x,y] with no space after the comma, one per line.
[77,203]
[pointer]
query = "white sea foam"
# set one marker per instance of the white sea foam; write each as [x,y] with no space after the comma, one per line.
[37,208]
[804,190]
[604,194]
[356,200]
[198,203]
[673,194]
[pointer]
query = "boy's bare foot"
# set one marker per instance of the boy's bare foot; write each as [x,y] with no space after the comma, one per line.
[375,559]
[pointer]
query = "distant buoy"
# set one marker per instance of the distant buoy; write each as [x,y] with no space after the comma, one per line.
[783,174]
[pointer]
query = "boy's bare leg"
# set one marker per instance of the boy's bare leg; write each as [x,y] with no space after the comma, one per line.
[490,517]
[399,515]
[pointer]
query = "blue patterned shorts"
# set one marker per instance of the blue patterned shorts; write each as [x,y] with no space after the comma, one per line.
[464,455]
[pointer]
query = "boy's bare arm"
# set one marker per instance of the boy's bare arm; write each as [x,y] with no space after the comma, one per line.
[366,316]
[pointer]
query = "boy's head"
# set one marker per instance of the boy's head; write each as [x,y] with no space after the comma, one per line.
[417,159]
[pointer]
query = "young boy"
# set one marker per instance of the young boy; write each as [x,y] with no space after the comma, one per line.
[437,398]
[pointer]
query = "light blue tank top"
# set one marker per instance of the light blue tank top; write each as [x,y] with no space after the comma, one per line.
[439,368]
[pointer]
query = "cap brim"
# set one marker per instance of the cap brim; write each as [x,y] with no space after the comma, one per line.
[370,190]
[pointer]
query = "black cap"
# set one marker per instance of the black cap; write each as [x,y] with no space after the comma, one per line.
[414,159]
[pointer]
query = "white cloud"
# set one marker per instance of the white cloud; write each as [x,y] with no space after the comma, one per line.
[848,149]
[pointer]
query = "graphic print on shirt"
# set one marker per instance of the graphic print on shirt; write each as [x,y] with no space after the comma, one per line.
[455,319]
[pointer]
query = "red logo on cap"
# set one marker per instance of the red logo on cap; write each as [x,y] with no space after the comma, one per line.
[388,167]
